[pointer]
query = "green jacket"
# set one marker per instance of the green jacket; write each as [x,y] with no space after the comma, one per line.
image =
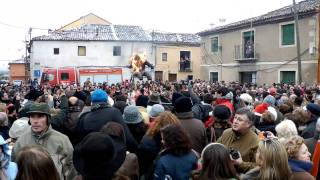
[58,145]
[247,144]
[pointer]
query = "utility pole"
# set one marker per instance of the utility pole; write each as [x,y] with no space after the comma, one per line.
[27,57]
[318,70]
[296,16]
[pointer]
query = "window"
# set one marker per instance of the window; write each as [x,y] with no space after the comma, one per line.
[215,44]
[81,51]
[248,44]
[288,77]
[214,77]
[64,76]
[55,51]
[164,56]
[185,61]
[287,34]
[116,50]
[248,77]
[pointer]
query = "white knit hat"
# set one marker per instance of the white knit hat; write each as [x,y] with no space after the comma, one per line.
[18,127]
[246,98]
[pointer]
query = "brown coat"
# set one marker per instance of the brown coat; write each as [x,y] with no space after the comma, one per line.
[196,130]
[246,144]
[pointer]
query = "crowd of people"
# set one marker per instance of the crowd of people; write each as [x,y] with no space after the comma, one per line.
[160,130]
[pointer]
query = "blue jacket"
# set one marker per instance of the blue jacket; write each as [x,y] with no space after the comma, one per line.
[174,167]
[299,166]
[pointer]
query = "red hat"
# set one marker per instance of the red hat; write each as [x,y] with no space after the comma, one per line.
[273,91]
[260,109]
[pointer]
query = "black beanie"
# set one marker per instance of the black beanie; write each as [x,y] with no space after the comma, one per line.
[221,112]
[182,104]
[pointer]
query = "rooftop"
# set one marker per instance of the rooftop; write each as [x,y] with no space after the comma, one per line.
[305,8]
[98,32]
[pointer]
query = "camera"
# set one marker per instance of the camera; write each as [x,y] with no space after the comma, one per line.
[235,154]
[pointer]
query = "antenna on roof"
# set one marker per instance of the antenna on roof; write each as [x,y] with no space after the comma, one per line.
[222,20]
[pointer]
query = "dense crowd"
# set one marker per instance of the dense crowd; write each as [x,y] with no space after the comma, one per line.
[159,130]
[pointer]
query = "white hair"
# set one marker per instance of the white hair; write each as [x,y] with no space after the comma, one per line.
[286,129]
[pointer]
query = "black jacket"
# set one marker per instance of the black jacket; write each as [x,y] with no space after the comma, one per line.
[95,119]
[308,132]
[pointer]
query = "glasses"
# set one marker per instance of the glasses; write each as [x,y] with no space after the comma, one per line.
[239,119]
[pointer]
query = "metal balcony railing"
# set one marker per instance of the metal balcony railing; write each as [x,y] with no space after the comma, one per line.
[245,53]
[185,66]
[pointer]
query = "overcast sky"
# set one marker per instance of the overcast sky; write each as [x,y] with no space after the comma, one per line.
[188,16]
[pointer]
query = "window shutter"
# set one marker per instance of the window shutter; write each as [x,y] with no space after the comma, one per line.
[214,44]
[288,34]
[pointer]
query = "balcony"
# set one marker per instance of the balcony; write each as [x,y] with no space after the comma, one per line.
[185,66]
[245,53]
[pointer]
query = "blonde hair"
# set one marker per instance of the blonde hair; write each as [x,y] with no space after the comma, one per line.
[3,119]
[161,121]
[293,145]
[274,160]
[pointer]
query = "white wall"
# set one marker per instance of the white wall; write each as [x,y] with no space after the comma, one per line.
[98,54]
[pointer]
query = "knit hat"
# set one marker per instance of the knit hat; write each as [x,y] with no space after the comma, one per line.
[182,104]
[131,115]
[96,157]
[18,128]
[228,96]
[270,100]
[154,97]
[99,96]
[313,108]
[260,109]
[175,96]
[156,110]
[221,112]
[246,98]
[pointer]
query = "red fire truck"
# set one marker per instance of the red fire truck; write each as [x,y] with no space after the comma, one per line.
[68,76]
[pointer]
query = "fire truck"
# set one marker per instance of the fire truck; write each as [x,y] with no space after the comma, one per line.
[70,75]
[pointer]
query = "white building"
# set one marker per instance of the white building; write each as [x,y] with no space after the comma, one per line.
[90,47]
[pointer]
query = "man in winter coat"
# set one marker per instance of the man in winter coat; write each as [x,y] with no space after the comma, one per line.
[100,114]
[241,138]
[194,127]
[41,133]
[314,113]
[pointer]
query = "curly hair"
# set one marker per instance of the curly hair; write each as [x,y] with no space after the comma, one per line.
[161,121]
[293,145]
[176,139]
[300,116]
